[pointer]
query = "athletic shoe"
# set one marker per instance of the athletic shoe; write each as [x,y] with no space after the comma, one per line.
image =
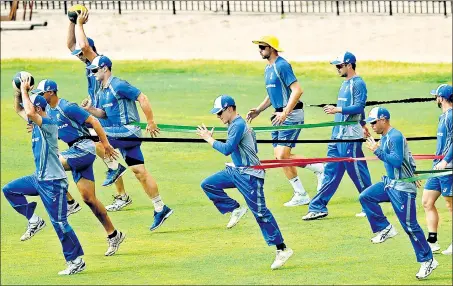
[314,215]
[236,215]
[361,214]
[160,217]
[320,176]
[298,200]
[72,209]
[73,267]
[119,202]
[114,243]
[281,257]
[384,234]
[427,268]
[114,175]
[447,251]
[32,229]
[435,247]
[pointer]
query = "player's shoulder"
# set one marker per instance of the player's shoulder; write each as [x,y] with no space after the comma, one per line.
[396,134]
[282,63]
[67,105]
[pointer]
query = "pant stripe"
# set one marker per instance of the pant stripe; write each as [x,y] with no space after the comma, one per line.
[356,165]
[60,206]
[408,219]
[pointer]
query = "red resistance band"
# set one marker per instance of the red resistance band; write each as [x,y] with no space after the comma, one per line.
[269,164]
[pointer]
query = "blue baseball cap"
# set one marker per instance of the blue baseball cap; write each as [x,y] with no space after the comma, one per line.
[346,58]
[100,62]
[78,50]
[222,102]
[378,113]
[444,90]
[37,100]
[44,86]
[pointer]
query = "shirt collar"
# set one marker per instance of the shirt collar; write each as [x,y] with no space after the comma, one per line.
[108,82]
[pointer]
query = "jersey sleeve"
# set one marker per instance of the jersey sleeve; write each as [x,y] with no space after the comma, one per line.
[449,147]
[286,73]
[126,90]
[76,113]
[49,126]
[359,94]
[234,137]
[395,155]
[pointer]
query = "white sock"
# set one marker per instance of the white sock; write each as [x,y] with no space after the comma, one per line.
[77,260]
[158,204]
[34,219]
[111,164]
[297,186]
[317,168]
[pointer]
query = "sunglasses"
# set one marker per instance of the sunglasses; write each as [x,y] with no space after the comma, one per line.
[95,70]
[262,47]
[221,112]
[340,66]
[374,122]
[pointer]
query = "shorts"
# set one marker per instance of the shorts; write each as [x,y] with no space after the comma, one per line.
[290,134]
[440,184]
[80,160]
[130,150]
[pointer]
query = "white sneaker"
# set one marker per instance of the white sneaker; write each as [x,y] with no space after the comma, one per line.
[314,215]
[427,268]
[435,247]
[320,176]
[281,257]
[73,267]
[32,229]
[114,243]
[118,203]
[298,200]
[72,209]
[447,251]
[236,215]
[360,214]
[384,234]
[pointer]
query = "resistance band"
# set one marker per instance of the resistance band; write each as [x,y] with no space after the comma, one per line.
[372,103]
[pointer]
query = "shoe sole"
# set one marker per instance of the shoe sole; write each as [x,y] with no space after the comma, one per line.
[121,241]
[165,218]
[76,210]
[229,227]
[315,218]
[38,230]
[78,270]
[388,237]
[446,253]
[119,176]
[116,210]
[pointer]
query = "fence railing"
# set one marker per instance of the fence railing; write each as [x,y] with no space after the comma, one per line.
[229,7]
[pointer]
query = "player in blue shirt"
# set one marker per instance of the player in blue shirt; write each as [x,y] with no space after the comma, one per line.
[72,123]
[85,50]
[352,97]
[283,93]
[241,145]
[437,186]
[117,101]
[49,180]
[399,164]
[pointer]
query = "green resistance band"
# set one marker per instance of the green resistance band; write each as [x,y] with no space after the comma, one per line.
[425,176]
[184,128]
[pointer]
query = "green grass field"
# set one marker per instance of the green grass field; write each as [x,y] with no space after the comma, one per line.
[193,246]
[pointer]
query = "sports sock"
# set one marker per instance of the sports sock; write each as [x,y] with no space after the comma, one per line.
[297,186]
[158,204]
[71,202]
[113,234]
[111,164]
[432,237]
[281,246]
[34,219]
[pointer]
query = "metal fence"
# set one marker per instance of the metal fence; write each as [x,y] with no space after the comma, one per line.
[229,7]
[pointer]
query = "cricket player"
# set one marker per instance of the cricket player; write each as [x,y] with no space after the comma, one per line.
[241,145]
[352,97]
[399,164]
[49,180]
[84,49]
[437,186]
[284,93]
[72,123]
[117,102]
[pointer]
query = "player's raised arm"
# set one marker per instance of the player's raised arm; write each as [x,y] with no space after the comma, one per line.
[29,108]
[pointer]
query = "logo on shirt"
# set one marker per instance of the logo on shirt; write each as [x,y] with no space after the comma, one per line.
[107,105]
[440,134]
[270,85]
[63,126]
[35,139]
[342,99]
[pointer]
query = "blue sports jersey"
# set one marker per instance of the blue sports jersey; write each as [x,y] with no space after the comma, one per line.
[70,119]
[118,101]
[45,151]
[93,87]
[444,137]
[397,157]
[241,144]
[278,77]
[352,98]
